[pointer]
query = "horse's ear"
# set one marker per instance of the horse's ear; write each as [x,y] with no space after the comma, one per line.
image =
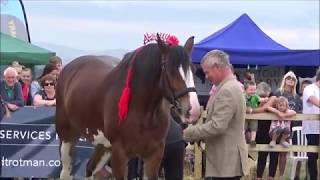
[189,44]
[163,47]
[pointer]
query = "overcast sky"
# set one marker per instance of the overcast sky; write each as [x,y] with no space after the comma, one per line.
[100,25]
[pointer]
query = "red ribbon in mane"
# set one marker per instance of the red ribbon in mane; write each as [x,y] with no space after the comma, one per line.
[124,100]
[172,40]
[167,38]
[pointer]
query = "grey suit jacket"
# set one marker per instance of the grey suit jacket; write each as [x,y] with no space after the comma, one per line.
[226,149]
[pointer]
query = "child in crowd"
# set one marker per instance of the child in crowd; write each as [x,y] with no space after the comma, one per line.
[252,101]
[281,128]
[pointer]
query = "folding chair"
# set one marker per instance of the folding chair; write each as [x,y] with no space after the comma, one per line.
[300,156]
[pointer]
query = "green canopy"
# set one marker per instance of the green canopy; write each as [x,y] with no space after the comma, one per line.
[13,49]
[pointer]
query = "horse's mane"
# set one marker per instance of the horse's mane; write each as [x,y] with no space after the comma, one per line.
[148,61]
[147,66]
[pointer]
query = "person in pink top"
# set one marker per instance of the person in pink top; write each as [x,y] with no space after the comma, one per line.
[281,128]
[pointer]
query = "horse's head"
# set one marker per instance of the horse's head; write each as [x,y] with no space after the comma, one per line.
[177,79]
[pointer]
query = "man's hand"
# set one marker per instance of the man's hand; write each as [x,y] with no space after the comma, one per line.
[187,135]
[12,107]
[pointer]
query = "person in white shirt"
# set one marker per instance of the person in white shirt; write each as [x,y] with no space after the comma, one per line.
[311,105]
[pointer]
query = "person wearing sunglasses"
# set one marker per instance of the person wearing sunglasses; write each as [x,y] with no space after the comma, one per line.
[36,84]
[288,89]
[46,96]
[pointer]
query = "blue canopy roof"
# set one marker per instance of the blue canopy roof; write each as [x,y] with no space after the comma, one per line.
[246,43]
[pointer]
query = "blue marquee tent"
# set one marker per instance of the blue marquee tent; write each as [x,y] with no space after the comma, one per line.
[246,43]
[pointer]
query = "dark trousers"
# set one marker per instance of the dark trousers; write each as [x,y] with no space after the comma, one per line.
[223,178]
[264,138]
[135,168]
[172,161]
[262,159]
[313,139]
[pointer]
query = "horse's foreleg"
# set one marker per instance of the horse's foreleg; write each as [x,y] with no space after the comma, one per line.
[152,163]
[66,159]
[98,159]
[119,161]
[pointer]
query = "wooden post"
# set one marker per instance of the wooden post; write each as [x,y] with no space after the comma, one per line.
[198,152]
[197,162]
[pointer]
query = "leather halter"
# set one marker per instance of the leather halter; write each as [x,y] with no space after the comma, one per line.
[174,96]
[125,97]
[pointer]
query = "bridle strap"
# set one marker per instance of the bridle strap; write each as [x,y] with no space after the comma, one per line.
[173,96]
[184,92]
[164,73]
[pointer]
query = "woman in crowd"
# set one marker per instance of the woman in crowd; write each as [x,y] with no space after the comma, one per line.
[48,69]
[288,89]
[46,96]
[57,62]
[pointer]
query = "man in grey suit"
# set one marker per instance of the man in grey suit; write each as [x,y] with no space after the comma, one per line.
[223,131]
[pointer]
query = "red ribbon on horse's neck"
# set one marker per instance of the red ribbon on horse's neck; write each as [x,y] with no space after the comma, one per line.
[124,100]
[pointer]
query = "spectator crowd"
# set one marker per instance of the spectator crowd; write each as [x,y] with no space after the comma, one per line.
[20,88]
[285,102]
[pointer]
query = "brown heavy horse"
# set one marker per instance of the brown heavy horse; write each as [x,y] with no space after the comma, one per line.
[88,92]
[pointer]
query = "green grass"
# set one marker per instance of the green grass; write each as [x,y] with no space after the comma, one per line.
[286,174]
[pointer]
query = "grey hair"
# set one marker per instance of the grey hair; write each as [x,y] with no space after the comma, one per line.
[5,72]
[216,57]
[263,88]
